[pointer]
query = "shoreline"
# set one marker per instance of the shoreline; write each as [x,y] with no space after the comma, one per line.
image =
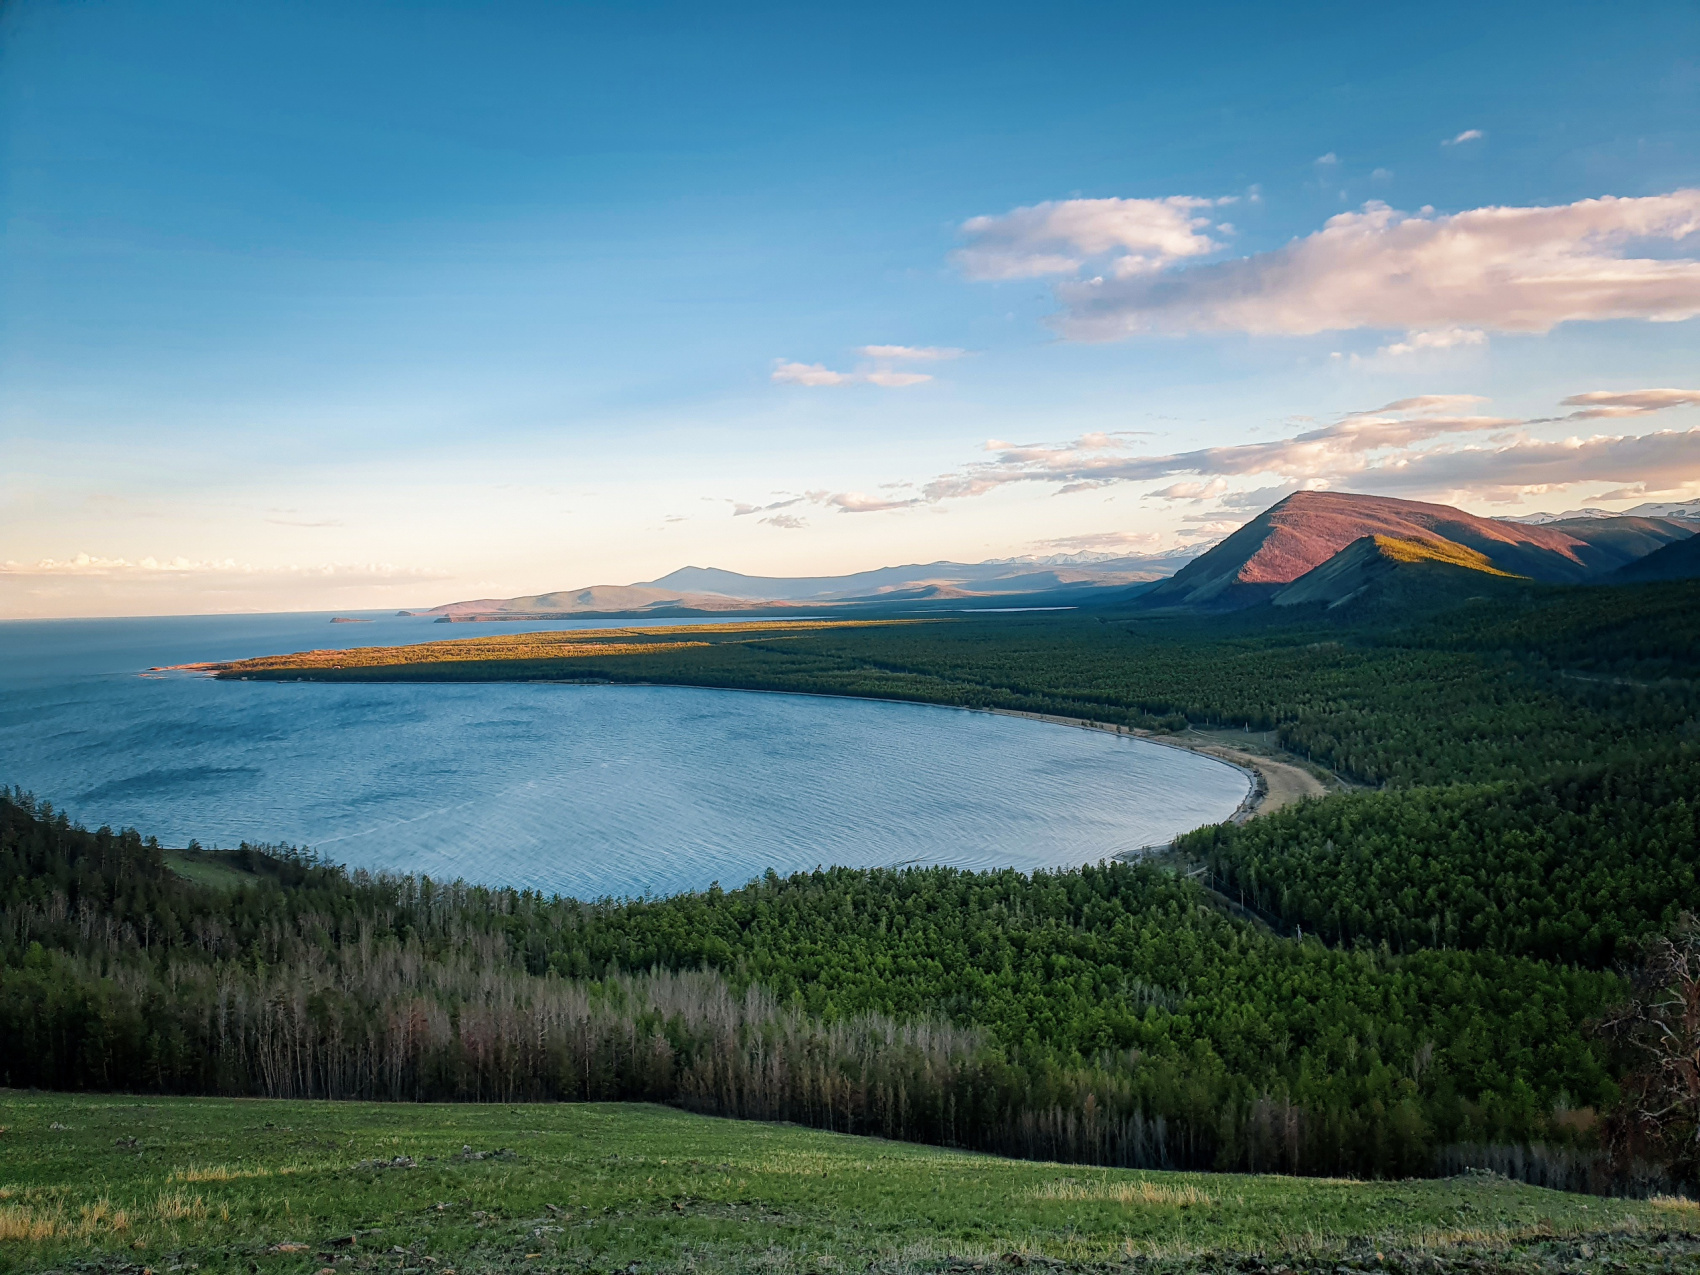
[1274,783]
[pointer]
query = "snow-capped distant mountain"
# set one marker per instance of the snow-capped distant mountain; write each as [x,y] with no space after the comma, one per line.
[1684,509]
[1540,520]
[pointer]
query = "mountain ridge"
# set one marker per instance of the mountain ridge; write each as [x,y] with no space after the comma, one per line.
[717,589]
[1304,531]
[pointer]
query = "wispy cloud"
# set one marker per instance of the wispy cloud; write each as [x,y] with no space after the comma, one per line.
[1486,269]
[1434,444]
[740,510]
[1134,236]
[1468,135]
[812,374]
[91,565]
[912,353]
[1600,404]
[817,376]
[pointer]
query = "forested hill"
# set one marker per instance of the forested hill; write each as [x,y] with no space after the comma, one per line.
[1109,1014]
[1527,785]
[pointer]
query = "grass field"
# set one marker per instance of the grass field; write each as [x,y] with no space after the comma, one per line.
[123,1184]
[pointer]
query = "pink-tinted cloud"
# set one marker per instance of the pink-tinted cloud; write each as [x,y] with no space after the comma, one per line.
[1600,404]
[811,374]
[1490,269]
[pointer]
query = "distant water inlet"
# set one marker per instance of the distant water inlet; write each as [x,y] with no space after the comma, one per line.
[588,790]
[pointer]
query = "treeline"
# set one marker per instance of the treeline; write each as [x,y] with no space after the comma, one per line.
[1108,1015]
[1468,697]
[1567,869]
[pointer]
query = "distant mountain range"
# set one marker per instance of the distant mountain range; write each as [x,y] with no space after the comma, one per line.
[1333,547]
[1683,509]
[711,589]
[1314,547]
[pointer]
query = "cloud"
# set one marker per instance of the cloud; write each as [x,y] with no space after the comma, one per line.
[1194,492]
[856,502]
[911,353]
[815,376]
[810,374]
[1107,542]
[1604,404]
[790,522]
[1445,339]
[1468,135]
[84,565]
[1137,236]
[1432,445]
[1329,160]
[739,509]
[1495,269]
[1418,444]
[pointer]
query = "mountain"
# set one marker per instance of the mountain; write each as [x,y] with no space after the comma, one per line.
[1679,560]
[715,589]
[1308,528]
[1682,509]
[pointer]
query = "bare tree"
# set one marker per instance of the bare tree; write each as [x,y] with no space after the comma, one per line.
[1659,1116]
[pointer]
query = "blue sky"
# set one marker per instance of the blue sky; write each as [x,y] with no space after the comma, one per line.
[314,305]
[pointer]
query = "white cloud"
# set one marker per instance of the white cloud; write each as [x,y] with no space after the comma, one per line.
[789,522]
[815,375]
[1444,339]
[1329,160]
[1468,135]
[911,353]
[1138,236]
[810,374]
[1494,269]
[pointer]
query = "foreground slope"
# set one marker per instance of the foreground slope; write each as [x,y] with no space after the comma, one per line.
[217,1185]
[1308,528]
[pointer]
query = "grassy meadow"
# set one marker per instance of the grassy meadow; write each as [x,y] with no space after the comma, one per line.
[117,1183]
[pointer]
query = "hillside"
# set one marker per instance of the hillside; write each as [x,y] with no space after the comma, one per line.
[1679,560]
[1305,530]
[1395,571]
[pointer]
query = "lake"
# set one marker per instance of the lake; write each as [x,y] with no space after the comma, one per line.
[581,790]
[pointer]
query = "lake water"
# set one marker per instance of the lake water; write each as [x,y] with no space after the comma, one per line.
[582,790]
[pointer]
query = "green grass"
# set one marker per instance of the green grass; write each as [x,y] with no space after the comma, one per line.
[220,1185]
[208,868]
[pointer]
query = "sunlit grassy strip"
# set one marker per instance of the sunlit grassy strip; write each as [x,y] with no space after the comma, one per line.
[563,645]
[265,1186]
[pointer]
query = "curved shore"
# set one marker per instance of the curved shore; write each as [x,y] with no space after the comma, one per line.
[1275,783]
